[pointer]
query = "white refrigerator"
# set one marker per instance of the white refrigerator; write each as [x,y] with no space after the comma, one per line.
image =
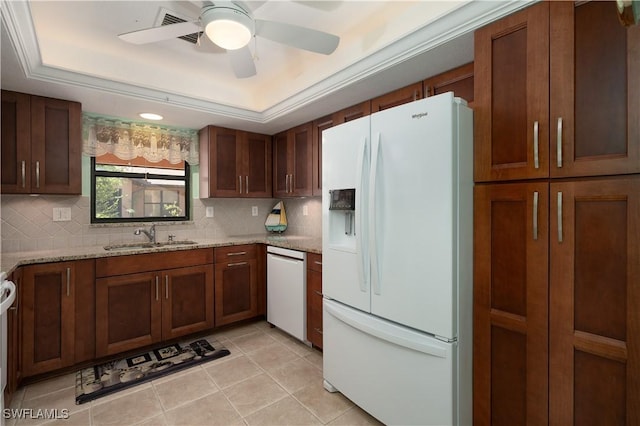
[397,262]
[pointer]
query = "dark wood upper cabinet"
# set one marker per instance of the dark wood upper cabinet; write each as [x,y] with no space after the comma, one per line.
[293,162]
[41,145]
[458,80]
[234,163]
[319,126]
[401,96]
[511,97]
[556,94]
[595,91]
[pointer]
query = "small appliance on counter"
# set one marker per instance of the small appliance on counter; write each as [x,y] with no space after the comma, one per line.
[277,219]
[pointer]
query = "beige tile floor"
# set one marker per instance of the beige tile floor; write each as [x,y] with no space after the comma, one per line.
[269,379]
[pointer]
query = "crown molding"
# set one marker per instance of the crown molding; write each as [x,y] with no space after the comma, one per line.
[16,16]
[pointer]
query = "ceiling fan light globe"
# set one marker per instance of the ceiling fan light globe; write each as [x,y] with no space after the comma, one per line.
[228,34]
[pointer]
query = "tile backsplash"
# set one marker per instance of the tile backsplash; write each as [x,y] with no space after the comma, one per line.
[27,222]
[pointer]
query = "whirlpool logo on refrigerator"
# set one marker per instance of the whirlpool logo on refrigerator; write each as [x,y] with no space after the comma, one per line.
[419,115]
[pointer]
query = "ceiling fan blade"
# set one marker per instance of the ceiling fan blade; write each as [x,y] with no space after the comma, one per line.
[242,62]
[325,5]
[296,36]
[165,32]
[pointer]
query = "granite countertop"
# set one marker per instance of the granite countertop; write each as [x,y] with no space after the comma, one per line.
[10,261]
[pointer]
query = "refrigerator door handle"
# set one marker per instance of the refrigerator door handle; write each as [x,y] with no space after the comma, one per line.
[361,210]
[373,252]
[384,332]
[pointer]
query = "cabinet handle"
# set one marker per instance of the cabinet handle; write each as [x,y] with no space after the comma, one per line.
[319,293]
[535,216]
[37,174]
[157,290]
[286,184]
[240,179]
[559,217]
[291,184]
[317,330]
[317,262]
[246,186]
[236,264]
[166,287]
[68,281]
[415,95]
[559,143]
[237,253]
[23,169]
[536,162]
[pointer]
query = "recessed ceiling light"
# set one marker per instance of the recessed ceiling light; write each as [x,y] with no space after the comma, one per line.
[151,116]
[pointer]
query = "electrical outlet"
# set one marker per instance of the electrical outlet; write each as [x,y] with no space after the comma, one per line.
[61,214]
[305,210]
[254,210]
[209,211]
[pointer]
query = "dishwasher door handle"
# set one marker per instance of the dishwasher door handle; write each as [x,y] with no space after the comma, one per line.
[284,258]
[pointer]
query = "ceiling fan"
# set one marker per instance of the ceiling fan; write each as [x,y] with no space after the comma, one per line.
[231,25]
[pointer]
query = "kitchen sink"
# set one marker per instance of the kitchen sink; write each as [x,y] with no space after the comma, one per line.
[141,246]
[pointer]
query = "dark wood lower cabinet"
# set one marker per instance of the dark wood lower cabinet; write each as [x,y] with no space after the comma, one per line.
[128,312]
[510,343]
[236,284]
[594,350]
[49,296]
[136,310]
[556,324]
[314,299]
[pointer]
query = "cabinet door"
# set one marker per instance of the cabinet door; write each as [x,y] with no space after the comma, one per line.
[280,165]
[302,171]
[352,113]
[458,80]
[187,301]
[595,91]
[314,299]
[223,154]
[236,286]
[510,342]
[128,312]
[256,165]
[511,97]
[594,299]
[319,126]
[56,146]
[48,317]
[16,142]
[405,95]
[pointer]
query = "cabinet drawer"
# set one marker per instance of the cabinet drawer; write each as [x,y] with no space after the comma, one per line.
[235,253]
[314,262]
[135,263]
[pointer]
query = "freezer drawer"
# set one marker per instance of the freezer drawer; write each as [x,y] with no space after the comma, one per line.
[396,374]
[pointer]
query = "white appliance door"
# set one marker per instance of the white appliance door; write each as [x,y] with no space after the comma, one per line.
[286,291]
[398,375]
[411,224]
[345,257]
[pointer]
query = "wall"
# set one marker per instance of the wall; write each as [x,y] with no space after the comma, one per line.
[27,222]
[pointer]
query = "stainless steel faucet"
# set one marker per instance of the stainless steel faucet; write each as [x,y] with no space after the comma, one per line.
[151,233]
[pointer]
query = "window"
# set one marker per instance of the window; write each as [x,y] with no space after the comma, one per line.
[138,193]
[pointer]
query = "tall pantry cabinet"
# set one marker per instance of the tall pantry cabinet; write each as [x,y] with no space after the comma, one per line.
[557,218]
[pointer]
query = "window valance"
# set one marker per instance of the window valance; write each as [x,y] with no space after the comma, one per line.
[129,140]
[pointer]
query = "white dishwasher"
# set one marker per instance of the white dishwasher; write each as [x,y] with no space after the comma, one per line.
[287,290]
